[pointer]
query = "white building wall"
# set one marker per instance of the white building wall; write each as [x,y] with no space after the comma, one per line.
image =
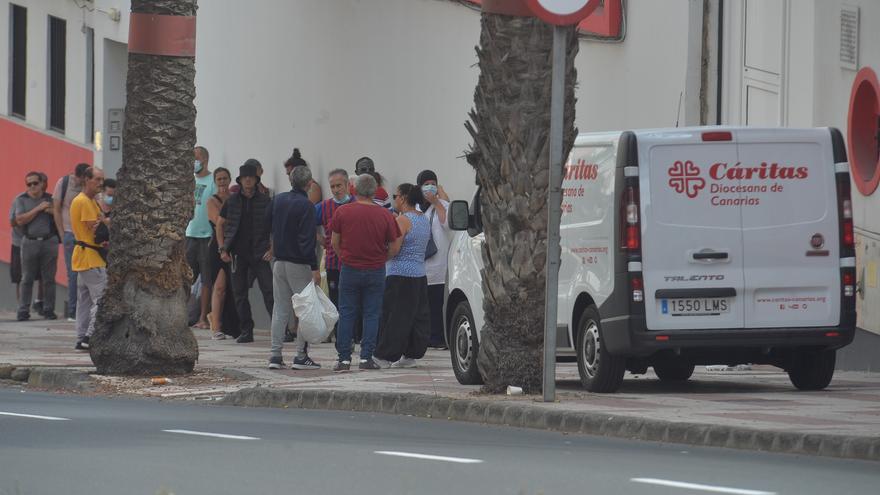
[637,83]
[78,14]
[831,104]
[834,83]
[395,81]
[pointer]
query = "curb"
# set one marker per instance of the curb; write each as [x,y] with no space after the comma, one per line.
[531,416]
[50,378]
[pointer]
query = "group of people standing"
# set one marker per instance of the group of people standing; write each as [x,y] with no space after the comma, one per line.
[76,215]
[384,255]
[384,258]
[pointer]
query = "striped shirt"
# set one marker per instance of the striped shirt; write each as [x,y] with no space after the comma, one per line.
[323,216]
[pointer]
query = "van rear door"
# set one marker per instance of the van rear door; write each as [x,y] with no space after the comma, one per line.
[692,251]
[790,235]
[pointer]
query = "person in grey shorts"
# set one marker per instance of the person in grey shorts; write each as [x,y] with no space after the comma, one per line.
[39,245]
[292,220]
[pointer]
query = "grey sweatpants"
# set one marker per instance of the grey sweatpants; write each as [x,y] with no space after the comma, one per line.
[287,279]
[90,286]
[38,258]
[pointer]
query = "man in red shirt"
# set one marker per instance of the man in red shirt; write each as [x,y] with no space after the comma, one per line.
[363,236]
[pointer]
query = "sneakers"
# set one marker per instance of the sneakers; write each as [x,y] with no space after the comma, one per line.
[218,336]
[342,366]
[368,364]
[82,344]
[276,363]
[50,315]
[305,363]
[405,362]
[22,316]
[381,362]
[71,319]
[245,338]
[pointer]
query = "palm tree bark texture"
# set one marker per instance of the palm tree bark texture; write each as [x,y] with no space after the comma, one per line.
[141,326]
[510,127]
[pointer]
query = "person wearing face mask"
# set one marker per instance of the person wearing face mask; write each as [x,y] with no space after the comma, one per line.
[323,216]
[199,232]
[107,196]
[434,207]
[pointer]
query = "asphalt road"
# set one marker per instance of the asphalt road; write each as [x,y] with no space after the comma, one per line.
[53,444]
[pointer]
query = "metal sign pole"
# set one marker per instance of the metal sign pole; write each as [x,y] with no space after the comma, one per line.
[554,200]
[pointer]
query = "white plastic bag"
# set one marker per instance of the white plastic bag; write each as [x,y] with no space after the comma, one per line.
[316,314]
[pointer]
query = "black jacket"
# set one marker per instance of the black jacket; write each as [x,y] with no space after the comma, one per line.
[232,210]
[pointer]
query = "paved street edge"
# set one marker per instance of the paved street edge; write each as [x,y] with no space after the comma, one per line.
[501,413]
[532,416]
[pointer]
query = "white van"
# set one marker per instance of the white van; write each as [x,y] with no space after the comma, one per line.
[684,247]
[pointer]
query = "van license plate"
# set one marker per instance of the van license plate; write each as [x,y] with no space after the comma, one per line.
[707,306]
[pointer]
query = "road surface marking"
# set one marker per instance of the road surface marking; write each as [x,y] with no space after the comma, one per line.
[705,488]
[459,460]
[33,416]
[215,435]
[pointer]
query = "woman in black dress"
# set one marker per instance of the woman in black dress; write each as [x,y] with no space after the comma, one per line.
[224,320]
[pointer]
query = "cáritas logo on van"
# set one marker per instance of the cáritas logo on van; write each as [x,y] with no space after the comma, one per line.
[685,177]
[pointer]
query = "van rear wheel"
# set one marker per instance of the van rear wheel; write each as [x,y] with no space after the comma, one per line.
[813,370]
[600,371]
[673,372]
[464,346]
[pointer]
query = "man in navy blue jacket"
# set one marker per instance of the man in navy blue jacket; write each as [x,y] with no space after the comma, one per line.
[292,217]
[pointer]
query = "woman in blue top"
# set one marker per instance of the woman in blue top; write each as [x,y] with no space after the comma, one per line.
[405,325]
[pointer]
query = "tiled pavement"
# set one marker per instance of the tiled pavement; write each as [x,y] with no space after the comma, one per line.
[761,398]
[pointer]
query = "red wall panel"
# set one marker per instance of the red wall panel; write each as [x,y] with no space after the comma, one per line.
[23,149]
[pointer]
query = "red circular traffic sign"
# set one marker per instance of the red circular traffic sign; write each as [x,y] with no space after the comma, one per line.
[863,131]
[562,12]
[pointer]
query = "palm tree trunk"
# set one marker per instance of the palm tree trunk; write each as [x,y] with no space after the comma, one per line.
[510,126]
[141,327]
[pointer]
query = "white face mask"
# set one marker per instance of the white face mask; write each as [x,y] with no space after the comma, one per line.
[343,200]
[197,166]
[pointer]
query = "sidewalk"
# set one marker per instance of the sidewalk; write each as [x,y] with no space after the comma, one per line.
[753,409]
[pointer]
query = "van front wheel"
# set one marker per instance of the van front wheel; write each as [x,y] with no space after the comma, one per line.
[464,346]
[600,371]
[813,370]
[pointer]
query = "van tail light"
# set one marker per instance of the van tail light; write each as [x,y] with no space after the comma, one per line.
[844,199]
[630,228]
[638,288]
[717,136]
[849,283]
[849,238]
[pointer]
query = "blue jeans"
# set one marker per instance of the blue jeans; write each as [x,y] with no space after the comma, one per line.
[69,243]
[360,292]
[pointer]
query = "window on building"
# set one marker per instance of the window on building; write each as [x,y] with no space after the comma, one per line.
[90,85]
[18,64]
[57,72]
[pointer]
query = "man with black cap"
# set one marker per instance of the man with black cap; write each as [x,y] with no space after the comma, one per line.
[244,242]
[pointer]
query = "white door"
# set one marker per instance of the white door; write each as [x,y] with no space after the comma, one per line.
[692,257]
[764,34]
[788,281]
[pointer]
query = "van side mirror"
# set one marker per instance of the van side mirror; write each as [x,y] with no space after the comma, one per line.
[458,215]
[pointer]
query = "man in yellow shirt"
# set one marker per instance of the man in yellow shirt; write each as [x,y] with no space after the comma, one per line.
[85,216]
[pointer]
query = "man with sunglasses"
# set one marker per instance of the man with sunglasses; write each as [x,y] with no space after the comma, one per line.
[39,245]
